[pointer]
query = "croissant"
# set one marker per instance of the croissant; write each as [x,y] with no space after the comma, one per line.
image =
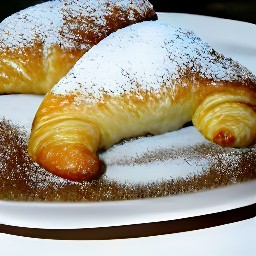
[40,44]
[148,78]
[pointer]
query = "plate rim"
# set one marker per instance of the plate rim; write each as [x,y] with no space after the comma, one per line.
[52,215]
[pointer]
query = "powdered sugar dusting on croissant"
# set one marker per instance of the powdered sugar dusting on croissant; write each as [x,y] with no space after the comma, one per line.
[149,78]
[40,44]
[118,64]
[58,21]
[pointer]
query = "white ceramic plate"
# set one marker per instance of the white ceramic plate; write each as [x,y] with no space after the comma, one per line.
[234,39]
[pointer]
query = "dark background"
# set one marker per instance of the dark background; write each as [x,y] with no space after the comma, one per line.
[243,10]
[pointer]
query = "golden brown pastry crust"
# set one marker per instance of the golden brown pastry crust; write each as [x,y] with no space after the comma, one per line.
[40,44]
[226,119]
[136,94]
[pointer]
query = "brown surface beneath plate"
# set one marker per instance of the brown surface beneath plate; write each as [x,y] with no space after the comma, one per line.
[136,230]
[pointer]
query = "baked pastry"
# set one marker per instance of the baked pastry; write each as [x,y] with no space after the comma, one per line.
[40,44]
[148,78]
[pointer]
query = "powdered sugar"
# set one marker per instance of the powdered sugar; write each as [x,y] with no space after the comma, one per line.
[148,54]
[54,21]
[34,22]
[125,153]
[172,163]
[154,157]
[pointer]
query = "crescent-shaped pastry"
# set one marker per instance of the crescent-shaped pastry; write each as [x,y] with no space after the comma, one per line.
[40,44]
[152,78]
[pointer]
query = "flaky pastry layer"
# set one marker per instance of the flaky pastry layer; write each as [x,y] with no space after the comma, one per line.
[148,78]
[40,44]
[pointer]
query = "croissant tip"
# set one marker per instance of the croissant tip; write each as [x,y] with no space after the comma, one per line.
[224,138]
[71,162]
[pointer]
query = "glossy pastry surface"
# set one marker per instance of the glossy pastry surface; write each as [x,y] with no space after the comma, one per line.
[148,78]
[40,44]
